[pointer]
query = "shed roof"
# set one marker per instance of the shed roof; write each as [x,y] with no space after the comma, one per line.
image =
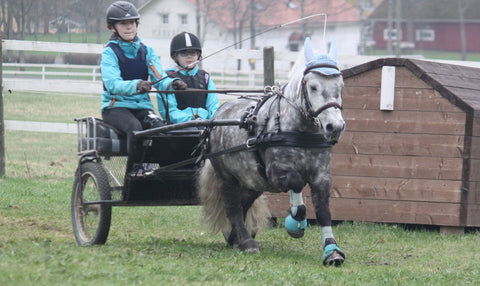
[459,84]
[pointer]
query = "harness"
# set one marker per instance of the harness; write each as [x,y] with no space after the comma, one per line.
[258,139]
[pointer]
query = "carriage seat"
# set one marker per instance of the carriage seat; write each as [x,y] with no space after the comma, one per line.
[94,134]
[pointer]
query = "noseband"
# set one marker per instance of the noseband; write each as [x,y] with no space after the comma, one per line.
[309,112]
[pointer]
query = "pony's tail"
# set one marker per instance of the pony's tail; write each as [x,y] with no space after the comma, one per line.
[214,215]
[209,191]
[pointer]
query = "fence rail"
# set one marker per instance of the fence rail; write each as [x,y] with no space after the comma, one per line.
[58,77]
[87,78]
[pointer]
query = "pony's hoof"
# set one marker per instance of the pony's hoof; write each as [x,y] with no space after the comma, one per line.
[335,259]
[252,250]
[249,246]
[333,255]
[298,234]
[295,228]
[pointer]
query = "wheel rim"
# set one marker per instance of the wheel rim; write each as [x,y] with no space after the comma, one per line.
[88,216]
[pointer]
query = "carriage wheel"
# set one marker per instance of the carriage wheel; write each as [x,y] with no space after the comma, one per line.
[91,223]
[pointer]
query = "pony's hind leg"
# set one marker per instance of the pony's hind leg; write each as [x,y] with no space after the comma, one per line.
[252,216]
[237,202]
[332,254]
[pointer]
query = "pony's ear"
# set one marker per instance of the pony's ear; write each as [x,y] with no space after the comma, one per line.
[333,50]
[308,51]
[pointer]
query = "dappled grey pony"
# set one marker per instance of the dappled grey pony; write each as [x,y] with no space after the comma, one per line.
[284,144]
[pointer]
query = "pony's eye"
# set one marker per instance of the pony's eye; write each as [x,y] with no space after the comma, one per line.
[313,88]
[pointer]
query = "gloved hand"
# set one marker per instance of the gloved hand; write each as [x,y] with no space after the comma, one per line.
[143,86]
[179,85]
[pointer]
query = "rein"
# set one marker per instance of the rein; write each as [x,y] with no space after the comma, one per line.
[208,91]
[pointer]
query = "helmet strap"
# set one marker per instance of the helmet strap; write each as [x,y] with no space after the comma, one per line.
[175,56]
[184,68]
[116,36]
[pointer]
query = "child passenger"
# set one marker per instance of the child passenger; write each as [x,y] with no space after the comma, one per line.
[186,50]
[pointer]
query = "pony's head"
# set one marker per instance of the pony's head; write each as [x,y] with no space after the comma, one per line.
[321,91]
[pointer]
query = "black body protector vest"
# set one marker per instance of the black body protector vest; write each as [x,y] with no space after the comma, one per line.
[131,69]
[196,98]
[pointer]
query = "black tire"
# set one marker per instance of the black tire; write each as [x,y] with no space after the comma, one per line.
[91,223]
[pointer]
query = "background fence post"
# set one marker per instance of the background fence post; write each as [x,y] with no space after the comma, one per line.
[268,66]
[2,122]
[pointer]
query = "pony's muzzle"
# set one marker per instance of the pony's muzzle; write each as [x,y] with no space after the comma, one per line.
[333,131]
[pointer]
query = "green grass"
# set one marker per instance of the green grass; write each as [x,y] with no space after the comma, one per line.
[91,38]
[50,107]
[170,246]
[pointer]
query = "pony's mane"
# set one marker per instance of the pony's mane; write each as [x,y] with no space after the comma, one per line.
[295,75]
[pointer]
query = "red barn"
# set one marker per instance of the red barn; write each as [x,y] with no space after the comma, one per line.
[428,24]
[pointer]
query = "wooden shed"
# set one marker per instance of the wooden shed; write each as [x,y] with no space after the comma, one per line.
[411,150]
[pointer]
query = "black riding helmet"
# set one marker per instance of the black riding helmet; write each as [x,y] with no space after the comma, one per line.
[121,11]
[184,41]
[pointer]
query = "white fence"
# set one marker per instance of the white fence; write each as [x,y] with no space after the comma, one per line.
[86,79]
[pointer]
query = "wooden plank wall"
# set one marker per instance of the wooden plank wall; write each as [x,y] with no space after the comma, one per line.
[473,197]
[400,166]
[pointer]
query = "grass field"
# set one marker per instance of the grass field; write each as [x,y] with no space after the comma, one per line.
[170,246]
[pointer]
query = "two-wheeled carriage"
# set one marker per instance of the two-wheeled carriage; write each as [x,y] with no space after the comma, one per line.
[108,176]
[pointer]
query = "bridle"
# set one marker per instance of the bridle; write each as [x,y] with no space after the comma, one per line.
[309,113]
[249,118]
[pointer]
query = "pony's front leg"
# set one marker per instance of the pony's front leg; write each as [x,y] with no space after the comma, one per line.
[332,254]
[296,221]
[284,177]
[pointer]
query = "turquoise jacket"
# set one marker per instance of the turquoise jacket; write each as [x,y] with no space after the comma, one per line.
[122,93]
[187,114]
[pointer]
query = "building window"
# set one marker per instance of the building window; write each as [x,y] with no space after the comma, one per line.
[425,35]
[393,34]
[183,19]
[164,18]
